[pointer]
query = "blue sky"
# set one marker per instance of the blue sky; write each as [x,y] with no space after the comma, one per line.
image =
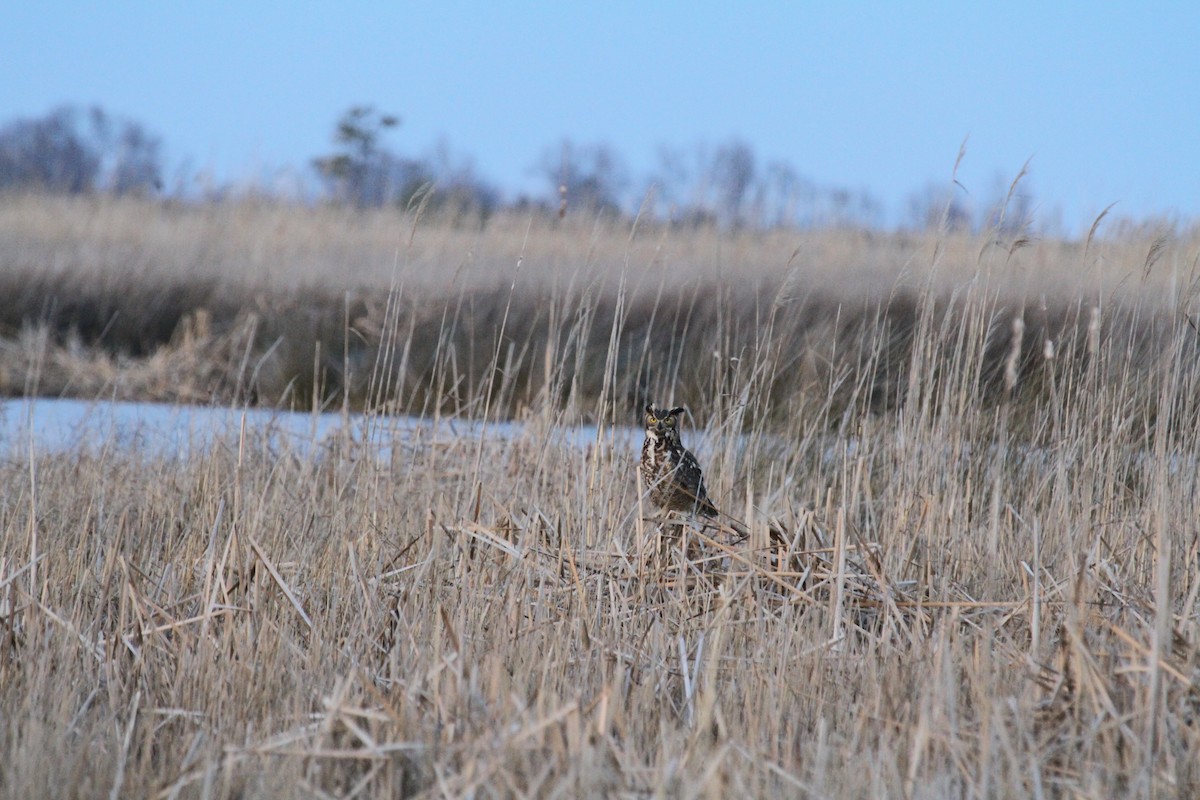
[1103,97]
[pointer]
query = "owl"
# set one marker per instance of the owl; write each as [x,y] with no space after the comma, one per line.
[672,474]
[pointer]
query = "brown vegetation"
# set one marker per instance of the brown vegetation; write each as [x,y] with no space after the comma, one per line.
[1001,439]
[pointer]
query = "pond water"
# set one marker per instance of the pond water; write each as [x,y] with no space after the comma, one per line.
[51,425]
[59,425]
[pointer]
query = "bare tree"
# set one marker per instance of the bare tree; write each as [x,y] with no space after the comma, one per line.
[669,180]
[132,155]
[590,177]
[49,154]
[70,150]
[681,183]
[1011,210]
[733,173]
[456,186]
[938,207]
[786,197]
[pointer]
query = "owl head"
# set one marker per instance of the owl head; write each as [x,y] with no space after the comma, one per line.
[663,423]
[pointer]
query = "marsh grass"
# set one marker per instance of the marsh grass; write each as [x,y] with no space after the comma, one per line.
[278,306]
[999,598]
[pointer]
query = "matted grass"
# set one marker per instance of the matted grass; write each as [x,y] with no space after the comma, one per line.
[1002,601]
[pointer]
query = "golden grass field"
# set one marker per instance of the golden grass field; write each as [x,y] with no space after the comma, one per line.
[995,439]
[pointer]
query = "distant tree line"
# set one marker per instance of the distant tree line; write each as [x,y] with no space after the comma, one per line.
[73,150]
[364,172]
[724,186]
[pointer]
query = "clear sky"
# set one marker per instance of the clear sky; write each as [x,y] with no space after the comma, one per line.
[1103,97]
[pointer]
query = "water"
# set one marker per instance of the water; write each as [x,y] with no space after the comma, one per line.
[51,425]
[48,425]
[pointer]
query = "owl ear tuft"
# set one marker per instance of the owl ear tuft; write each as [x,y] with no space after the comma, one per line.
[676,411]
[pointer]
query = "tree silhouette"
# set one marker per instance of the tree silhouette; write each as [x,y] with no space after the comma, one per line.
[589,177]
[733,173]
[72,151]
[938,207]
[362,172]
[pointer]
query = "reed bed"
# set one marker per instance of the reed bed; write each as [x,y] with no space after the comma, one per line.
[973,561]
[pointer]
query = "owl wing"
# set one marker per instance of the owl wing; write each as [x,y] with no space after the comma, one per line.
[691,480]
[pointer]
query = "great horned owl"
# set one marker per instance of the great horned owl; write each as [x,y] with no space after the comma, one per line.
[672,474]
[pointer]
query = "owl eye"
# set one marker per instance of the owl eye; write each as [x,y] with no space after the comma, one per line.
[669,422]
[651,419]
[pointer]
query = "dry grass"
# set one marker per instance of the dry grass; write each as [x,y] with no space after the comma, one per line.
[1003,603]
[286,307]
